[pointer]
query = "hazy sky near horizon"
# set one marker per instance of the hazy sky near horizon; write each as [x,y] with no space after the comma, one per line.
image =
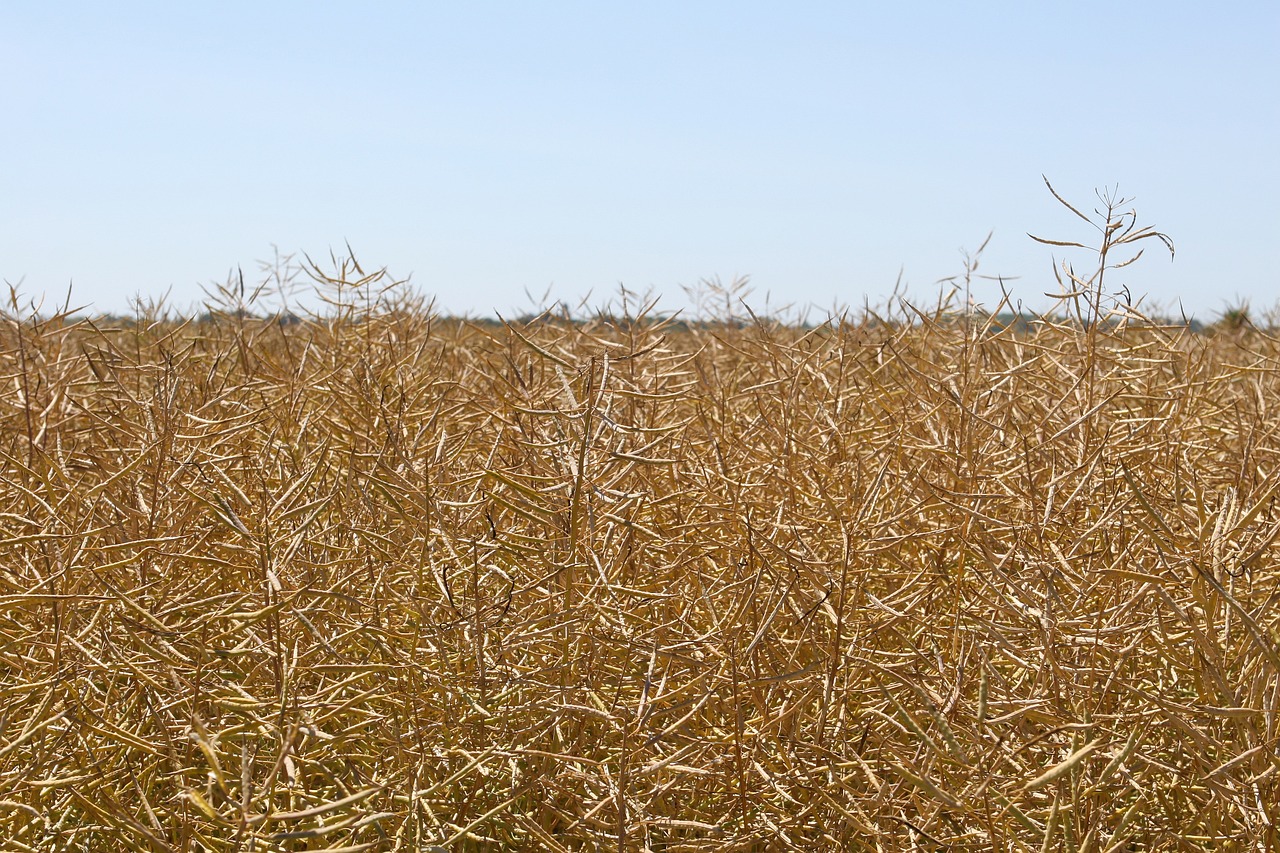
[493,150]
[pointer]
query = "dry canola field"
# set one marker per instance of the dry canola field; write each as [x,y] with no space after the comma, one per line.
[381,580]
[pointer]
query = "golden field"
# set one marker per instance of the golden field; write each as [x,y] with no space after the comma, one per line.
[379,580]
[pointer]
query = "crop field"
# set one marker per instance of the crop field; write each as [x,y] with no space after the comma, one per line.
[375,579]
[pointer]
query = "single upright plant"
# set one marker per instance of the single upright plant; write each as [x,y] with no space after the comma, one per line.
[1119,230]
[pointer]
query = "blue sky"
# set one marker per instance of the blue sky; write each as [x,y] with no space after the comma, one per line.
[489,150]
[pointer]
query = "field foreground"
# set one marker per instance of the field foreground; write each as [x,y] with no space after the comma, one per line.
[389,582]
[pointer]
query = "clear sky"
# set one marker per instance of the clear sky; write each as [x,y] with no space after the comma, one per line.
[492,149]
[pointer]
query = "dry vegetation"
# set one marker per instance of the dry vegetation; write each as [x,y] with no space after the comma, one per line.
[377,580]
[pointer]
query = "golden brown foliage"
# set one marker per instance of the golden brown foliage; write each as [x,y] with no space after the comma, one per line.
[383,582]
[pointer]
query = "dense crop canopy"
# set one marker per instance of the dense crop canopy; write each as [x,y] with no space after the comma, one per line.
[387,581]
